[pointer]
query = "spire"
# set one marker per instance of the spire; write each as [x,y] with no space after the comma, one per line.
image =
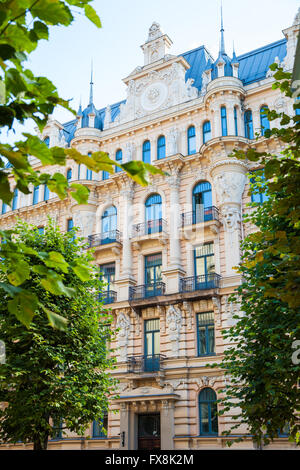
[91,85]
[234,57]
[222,42]
[79,113]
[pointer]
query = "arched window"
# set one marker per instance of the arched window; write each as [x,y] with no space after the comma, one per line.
[46,193]
[206,128]
[208,412]
[235,121]
[191,140]
[202,202]
[109,225]
[264,121]
[224,121]
[69,174]
[47,141]
[119,158]
[35,199]
[153,214]
[161,147]
[89,173]
[147,151]
[248,124]
[15,200]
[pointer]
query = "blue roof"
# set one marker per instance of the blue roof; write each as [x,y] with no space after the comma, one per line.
[255,64]
[253,67]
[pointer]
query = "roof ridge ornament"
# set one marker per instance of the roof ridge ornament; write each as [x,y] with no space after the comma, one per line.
[91,84]
[297,17]
[222,41]
[154,31]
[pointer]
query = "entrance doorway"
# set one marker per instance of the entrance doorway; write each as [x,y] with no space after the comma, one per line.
[149,431]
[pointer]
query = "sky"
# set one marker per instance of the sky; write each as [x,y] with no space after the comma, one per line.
[115,48]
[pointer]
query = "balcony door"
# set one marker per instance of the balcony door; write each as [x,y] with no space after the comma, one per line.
[202,202]
[108,277]
[109,225]
[153,264]
[204,266]
[153,214]
[152,345]
[149,431]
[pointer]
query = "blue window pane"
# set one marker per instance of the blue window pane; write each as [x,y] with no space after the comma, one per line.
[46,193]
[206,131]
[206,333]
[4,208]
[100,427]
[109,221]
[15,200]
[147,151]
[208,412]
[297,102]
[119,158]
[235,121]
[35,195]
[70,225]
[69,174]
[41,230]
[105,175]
[264,121]
[153,264]
[47,141]
[261,196]
[191,136]
[224,121]
[161,147]
[153,213]
[202,200]
[79,168]
[248,125]
[89,174]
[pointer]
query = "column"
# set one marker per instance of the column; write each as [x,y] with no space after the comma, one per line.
[175,219]
[256,121]
[167,425]
[230,119]
[127,194]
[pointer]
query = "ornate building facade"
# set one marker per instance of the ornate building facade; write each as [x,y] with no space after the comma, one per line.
[167,252]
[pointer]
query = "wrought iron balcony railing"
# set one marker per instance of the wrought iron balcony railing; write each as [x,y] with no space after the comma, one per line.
[149,227]
[147,290]
[202,282]
[198,216]
[108,297]
[104,238]
[139,364]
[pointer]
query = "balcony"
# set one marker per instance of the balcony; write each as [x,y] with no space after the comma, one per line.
[202,282]
[151,230]
[105,238]
[146,291]
[108,297]
[199,216]
[142,364]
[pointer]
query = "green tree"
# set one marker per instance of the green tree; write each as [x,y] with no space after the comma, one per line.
[23,97]
[263,375]
[52,375]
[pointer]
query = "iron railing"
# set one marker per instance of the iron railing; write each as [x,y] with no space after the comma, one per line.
[202,282]
[150,363]
[147,290]
[108,297]
[104,238]
[149,227]
[201,215]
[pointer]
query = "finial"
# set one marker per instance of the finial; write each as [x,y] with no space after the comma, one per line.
[91,84]
[222,42]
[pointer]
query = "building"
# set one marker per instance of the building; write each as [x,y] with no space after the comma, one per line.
[168,251]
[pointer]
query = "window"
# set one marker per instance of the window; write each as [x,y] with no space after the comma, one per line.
[57,428]
[109,225]
[235,121]
[262,196]
[79,168]
[47,141]
[224,121]
[100,427]
[153,214]
[206,128]
[191,140]
[202,202]
[15,200]
[153,265]
[119,158]
[248,124]
[161,147]
[264,121]
[152,347]
[70,225]
[105,175]
[147,151]
[89,174]
[108,277]
[204,260]
[297,110]
[208,412]
[4,208]
[35,195]
[205,334]
[46,193]
[41,230]
[69,174]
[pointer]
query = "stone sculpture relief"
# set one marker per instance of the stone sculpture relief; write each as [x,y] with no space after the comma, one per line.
[123,325]
[174,324]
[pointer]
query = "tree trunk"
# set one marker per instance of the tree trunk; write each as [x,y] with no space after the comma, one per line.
[40,442]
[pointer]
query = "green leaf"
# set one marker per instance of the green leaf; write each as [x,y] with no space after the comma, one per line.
[80,193]
[92,15]
[20,274]
[82,271]
[55,320]
[23,306]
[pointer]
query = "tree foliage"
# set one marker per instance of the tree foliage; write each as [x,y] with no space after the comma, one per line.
[24,96]
[52,375]
[263,377]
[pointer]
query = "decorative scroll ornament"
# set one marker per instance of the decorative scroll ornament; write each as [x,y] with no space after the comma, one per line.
[123,325]
[174,324]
